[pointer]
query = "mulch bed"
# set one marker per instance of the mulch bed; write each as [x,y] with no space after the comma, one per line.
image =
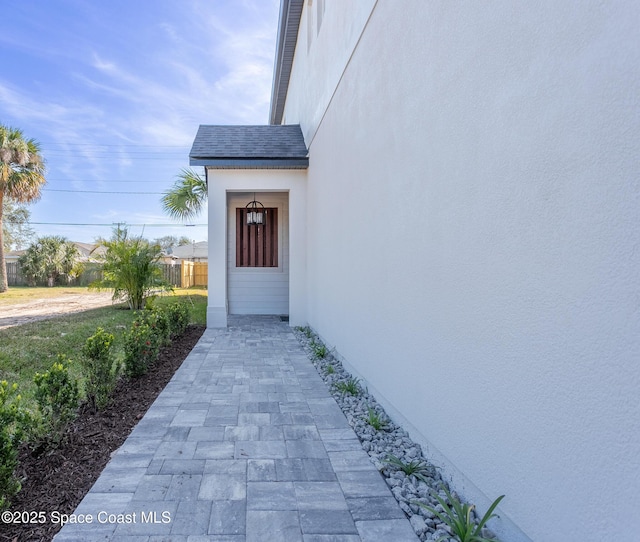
[57,480]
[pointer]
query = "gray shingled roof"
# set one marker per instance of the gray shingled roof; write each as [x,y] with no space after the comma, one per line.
[267,146]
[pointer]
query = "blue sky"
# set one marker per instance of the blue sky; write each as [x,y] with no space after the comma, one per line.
[114,92]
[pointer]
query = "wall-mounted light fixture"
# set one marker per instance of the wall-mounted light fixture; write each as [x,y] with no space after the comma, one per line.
[255,214]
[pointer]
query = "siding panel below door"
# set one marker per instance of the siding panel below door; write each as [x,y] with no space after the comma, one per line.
[258,290]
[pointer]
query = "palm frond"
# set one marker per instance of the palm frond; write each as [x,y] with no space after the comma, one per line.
[25,185]
[21,166]
[187,196]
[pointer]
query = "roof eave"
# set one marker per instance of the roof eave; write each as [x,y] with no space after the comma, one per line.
[251,163]
[289,22]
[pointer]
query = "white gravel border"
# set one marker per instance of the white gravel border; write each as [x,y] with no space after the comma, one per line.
[379,444]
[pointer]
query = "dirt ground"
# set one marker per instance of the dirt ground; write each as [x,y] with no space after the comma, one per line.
[41,309]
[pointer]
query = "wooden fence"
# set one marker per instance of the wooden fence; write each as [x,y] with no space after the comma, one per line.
[14,277]
[186,275]
[194,274]
[172,274]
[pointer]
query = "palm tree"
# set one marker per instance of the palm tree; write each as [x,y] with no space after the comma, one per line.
[187,197]
[21,177]
[48,259]
[130,268]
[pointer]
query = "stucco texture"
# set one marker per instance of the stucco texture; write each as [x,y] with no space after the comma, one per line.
[473,244]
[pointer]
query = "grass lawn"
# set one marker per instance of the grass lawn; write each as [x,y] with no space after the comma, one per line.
[24,294]
[31,348]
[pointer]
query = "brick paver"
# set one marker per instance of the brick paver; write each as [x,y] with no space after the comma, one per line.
[245,444]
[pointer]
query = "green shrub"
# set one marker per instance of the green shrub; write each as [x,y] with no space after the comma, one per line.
[13,419]
[163,325]
[159,323]
[99,371]
[179,315]
[57,397]
[9,484]
[141,348]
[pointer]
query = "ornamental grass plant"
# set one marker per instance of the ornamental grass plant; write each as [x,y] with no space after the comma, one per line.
[416,467]
[376,420]
[458,517]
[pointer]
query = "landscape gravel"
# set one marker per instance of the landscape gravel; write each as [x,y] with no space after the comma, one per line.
[390,440]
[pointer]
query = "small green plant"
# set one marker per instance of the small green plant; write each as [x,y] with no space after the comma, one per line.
[57,396]
[13,419]
[99,371]
[417,467]
[375,420]
[329,370]
[141,349]
[350,386]
[458,518]
[306,330]
[319,350]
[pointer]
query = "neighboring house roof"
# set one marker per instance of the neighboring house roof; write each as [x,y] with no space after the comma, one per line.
[85,248]
[193,250]
[290,13]
[97,250]
[13,255]
[242,147]
[89,251]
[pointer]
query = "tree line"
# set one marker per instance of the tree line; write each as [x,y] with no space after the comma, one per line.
[22,170]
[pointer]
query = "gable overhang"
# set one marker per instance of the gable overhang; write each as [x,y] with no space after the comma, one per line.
[234,163]
[289,22]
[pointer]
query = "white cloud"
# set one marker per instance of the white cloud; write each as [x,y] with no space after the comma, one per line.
[204,62]
[102,65]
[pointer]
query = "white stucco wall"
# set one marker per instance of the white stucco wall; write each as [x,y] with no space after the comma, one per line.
[222,183]
[474,245]
[322,53]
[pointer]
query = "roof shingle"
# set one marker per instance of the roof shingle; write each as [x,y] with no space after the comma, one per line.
[279,146]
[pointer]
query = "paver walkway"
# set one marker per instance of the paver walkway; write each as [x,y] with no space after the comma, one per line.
[245,444]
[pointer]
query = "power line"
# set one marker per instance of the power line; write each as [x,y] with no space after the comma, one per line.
[110,224]
[98,191]
[136,158]
[117,151]
[98,181]
[116,145]
[124,154]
